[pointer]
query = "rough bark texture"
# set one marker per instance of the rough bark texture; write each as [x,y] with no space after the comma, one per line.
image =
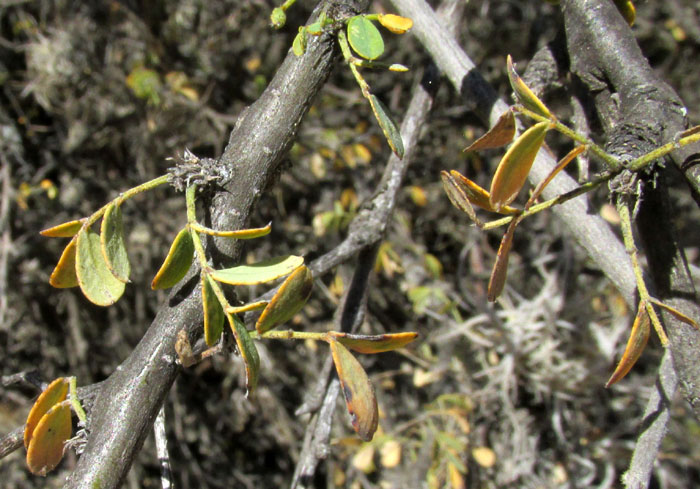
[640,112]
[129,402]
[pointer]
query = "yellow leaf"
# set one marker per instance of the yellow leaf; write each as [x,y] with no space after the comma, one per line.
[395,23]
[56,392]
[390,454]
[65,230]
[523,93]
[64,276]
[45,449]
[484,456]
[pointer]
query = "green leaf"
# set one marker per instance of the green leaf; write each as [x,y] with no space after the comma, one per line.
[213,312]
[515,165]
[299,44]
[65,230]
[499,135]
[365,38]
[389,127]
[249,353]
[56,392]
[112,240]
[45,449]
[94,277]
[278,18]
[523,93]
[358,391]
[177,262]
[64,276]
[635,345]
[258,273]
[287,301]
[374,343]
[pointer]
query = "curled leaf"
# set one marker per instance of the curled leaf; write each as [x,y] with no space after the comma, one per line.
[499,135]
[523,93]
[635,345]
[238,234]
[96,281]
[45,449]
[358,391]
[65,230]
[477,195]
[365,38]
[248,352]
[395,23]
[177,262]
[288,300]
[63,275]
[213,312]
[260,272]
[500,268]
[458,196]
[374,343]
[56,392]
[113,246]
[515,165]
[388,126]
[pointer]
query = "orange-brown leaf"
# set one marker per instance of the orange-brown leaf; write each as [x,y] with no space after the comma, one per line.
[53,394]
[499,135]
[635,345]
[45,449]
[65,230]
[500,268]
[64,276]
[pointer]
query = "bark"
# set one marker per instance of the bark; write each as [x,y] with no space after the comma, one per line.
[126,407]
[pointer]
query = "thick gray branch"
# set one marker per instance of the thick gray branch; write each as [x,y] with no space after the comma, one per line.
[127,405]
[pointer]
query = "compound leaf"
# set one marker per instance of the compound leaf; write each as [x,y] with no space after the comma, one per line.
[56,392]
[177,262]
[515,165]
[388,126]
[260,272]
[45,449]
[358,391]
[113,246]
[287,301]
[374,343]
[365,38]
[63,275]
[213,312]
[94,277]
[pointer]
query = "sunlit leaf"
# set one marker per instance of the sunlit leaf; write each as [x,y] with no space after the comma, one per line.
[388,126]
[238,234]
[458,196]
[477,195]
[213,312]
[314,29]
[365,38]
[358,391]
[523,93]
[45,449]
[288,300]
[484,456]
[177,262]
[56,392]
[299,44]
[676,313]
[64,276]
[560,166]
[500,268]
[248,352]
[374,343]
[635,345]
[499,135]
[627,9]
[65,230]
[395,23]
[113,246]
[94,277]
[252,306]
[258,273]
[515,165]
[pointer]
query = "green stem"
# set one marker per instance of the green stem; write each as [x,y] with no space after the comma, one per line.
[348,56]
[644,160]
[644,297]
[75,402]
[559,199]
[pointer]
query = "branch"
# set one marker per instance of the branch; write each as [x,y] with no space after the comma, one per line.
[126,407]
[589,230]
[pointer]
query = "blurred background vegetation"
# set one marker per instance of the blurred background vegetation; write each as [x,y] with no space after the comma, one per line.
[96,95]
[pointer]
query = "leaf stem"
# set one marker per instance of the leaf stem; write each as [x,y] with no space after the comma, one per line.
[75,402]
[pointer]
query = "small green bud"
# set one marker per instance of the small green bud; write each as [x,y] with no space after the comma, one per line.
[278,18]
